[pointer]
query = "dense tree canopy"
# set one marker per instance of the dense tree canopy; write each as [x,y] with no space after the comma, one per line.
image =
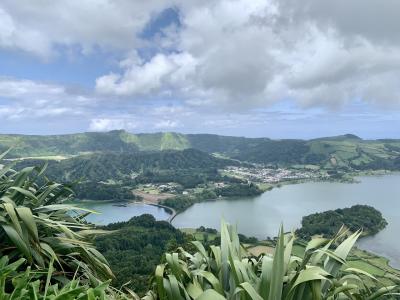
[357,217]
[134,248]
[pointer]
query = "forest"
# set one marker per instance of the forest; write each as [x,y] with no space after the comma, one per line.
[151,166]
[101,191]
[182,202]
[329,222]
[134,249]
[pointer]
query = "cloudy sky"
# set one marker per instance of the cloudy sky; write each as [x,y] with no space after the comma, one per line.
[276,68]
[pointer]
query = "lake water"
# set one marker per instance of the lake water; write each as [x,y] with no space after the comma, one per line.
[261,216]
[109,212]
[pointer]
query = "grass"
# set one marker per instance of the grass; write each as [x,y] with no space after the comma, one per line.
[265,186]
[365,266]
[298,250]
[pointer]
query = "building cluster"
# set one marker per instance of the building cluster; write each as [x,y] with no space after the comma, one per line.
[170,187]
[270,175]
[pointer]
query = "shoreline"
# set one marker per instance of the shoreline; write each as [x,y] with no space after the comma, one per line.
[154,199]
[173,213]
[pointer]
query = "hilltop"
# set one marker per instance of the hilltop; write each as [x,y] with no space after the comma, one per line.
[345,151]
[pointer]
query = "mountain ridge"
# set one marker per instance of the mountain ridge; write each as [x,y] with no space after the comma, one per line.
[347,151]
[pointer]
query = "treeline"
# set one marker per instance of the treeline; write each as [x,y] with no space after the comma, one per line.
[329,222]
[182,202]
[239,190]
[134,248]
[101,191]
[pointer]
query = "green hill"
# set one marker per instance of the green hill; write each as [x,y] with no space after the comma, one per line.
[120,166]
[68,144]
[345,151]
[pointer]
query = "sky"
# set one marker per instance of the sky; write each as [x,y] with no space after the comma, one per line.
[271,68]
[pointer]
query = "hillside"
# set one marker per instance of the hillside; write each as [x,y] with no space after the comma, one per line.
[69,144]
[80,143]
[113,166]
[345,151]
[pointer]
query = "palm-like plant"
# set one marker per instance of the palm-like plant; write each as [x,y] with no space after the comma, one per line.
[229,272]
[27,285]
[37,226]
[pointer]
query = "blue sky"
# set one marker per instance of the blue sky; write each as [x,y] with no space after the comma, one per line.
[232,67]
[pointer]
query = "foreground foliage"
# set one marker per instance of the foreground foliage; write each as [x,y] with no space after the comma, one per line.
[228,272]
[44,245]
[35,226]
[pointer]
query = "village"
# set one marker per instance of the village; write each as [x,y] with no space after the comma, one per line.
[274,175]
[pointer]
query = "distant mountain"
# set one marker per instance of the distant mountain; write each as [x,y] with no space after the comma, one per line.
[68,144]
[345,151]
[343,137]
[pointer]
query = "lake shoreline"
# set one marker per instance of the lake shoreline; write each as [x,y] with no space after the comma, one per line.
[155,199]
[355,191]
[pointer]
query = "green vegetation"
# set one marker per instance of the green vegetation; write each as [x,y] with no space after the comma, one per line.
[187,178]
[68,144]
[340,152]
[239,190]
[228,272]
[365,261]
[101,191]
[134,249]
[357,217]
[153,166]
[182,202]
[45,249]
[46,253]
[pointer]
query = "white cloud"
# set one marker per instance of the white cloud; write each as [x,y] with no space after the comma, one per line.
[21,88]
[28,98]
[233,54]
[219,66]
[105,124]
[140,78]
[240,55]
[40,28]
[166,124]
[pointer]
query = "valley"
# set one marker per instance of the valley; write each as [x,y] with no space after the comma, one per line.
[194,181]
